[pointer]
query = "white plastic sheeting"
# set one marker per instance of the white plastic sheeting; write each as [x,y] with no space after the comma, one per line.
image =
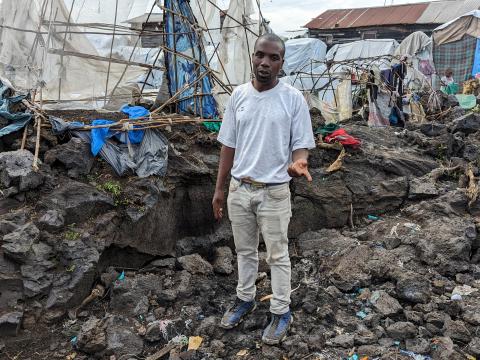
[39,46]
[300,52]
[363,50]
[237,43]
[208,17]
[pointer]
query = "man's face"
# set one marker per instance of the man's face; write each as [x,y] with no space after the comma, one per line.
[267,61]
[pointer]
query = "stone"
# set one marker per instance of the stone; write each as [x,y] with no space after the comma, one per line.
[414,289]
[195,264]
[417,345]
[365,337]
[92,338]
[74,155]
[472,316]
[16,170]
[259,321]
[443,349]
[325,242]
[272,352]
[158,330]
[18,244]
[436,318]
[77,202]
[415,317]
[474,347]
[10,323]
[52,221]
[345,341]
[468,124]
[457,331]
[391,242]
[402,330]
[223,260]
[122,340]
[351,270]
[131,295]
[422,188]
[384,304]
[433,129]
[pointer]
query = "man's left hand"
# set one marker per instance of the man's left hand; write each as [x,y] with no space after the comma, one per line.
[299,168]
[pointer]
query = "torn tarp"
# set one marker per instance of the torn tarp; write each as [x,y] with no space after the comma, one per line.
[12,121]
[150,157]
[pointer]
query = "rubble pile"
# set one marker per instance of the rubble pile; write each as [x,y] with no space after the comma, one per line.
[385,252]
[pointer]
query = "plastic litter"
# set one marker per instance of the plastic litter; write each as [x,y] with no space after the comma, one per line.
[412,226]
[179,339]
[74,340]
[194,342]
[243,352]
[415,356]
[373,217]
[121,277]
[456,297]
[463,290]
[361,314]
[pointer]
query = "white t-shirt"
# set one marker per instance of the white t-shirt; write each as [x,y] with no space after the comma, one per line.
[264,128]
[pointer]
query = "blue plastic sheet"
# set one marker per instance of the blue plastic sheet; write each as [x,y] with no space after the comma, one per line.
[476,61]
[134,112]
[16,120]
[100,135]
[181,71]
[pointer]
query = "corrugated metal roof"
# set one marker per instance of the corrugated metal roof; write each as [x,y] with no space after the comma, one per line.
[385,15]
[436,12]
[439,12]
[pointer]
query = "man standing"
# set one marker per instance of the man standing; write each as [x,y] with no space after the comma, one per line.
[265,135]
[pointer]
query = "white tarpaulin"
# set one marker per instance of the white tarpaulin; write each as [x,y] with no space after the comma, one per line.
[41,46]
[417,47]
[363,50]
[237,43]
[300,52]
[208,17]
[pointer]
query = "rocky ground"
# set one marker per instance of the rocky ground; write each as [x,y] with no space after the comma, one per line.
[385,252]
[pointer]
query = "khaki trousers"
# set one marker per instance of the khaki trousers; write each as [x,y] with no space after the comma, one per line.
[251,210]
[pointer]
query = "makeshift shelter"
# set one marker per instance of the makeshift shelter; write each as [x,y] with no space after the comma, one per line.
[364,51]
[457,46]
[300,52]
[417,48]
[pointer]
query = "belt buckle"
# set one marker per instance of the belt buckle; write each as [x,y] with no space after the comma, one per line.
[253,183]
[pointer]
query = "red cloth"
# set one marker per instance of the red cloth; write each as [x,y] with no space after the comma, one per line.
[343,138]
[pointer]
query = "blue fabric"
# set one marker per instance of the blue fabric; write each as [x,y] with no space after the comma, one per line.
[180,71]
[16,121]
[134,112]
[100,136]
[476,61]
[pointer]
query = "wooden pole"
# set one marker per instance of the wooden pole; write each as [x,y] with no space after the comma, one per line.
[111,51]
[37,143]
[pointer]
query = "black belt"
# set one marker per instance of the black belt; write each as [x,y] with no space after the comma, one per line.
[256,184]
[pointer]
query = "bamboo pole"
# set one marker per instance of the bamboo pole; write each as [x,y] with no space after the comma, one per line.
[111,52]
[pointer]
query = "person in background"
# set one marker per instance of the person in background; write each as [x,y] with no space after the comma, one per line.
[265,135]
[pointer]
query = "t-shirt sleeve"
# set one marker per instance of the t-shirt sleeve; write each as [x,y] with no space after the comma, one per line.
[228,133]
[301,134]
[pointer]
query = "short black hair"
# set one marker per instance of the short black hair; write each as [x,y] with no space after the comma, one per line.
[274,38]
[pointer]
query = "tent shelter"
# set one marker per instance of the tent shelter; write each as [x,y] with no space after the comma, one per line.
[417,47]
[457,46]
[300,52]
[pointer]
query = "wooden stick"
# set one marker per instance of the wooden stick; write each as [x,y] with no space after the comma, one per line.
[37,144]
[24,138]
[103,58]
[177,94]
[159,354]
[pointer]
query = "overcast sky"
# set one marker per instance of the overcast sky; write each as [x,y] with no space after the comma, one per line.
[287,15]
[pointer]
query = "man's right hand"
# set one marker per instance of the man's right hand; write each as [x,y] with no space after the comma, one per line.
[217,204]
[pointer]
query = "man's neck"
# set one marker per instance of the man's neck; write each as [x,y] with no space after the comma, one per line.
[264,87]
